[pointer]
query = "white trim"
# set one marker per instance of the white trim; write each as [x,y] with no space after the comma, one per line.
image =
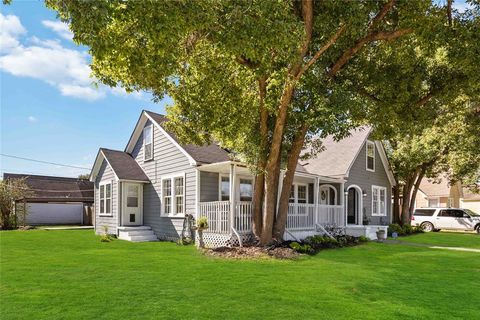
[369,143]
[124,193]
[197,192]
[238,178]
[104,184]
[357,153]
[97,164]
[173,206]
[169,137]
[386,164]
[434,198]
[359,206]
[144,144]
[330,187]
[379,214]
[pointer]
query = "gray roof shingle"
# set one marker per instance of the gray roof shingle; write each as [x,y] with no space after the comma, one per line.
[337,157]
[124,166]
[203,154]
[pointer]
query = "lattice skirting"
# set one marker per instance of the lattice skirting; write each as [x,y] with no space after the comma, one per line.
[215,240]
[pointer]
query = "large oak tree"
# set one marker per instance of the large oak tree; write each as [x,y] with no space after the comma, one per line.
[259,77]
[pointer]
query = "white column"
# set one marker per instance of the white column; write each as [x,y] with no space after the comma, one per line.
[233,192]
[197,193]
[280,185]
[315,198]
[342,202]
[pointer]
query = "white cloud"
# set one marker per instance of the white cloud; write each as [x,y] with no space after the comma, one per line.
[10,29]
[32,119]
[66,69]
[59,28]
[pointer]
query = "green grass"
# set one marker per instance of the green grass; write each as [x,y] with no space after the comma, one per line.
[446,239]
[72,275]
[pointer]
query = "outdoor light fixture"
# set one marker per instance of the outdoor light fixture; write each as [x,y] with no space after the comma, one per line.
[364,193]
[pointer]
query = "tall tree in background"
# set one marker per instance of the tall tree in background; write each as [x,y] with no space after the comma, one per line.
[258,77]
[12,190]
[426,108]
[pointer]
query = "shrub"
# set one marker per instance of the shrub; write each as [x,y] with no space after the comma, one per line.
[408,229]
[202,223]
[394,227]
[106,237]
[363,239]
[302,248]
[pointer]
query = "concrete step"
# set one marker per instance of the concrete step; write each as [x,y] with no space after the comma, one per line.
[151,237]
[134,228]
[137,233]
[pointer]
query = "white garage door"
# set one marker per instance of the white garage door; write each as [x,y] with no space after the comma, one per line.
[54,213]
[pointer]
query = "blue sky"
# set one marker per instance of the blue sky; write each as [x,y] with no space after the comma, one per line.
[49,109]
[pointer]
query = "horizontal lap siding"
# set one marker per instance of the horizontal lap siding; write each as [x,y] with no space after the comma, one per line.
[106,174]
[167,160]
[365,179]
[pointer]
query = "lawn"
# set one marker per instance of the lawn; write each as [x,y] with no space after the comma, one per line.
[72,275]
[446,239]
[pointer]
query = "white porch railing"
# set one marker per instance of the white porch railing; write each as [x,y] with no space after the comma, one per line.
[301,216]
[330,215]
[218,216]
[243,217]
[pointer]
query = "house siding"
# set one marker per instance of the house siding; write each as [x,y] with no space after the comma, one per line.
[167,160]
[365,180]
[106,174]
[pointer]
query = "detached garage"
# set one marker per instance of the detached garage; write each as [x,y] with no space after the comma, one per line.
[57,200]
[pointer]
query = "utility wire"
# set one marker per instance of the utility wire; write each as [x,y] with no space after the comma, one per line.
[45,162]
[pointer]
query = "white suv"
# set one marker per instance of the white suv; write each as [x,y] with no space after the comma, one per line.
[434,219]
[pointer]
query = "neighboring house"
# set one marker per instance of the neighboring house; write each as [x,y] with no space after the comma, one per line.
[57,200]
[434,193]
[145,191]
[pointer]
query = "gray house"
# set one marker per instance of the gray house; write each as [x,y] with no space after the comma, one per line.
[145,192]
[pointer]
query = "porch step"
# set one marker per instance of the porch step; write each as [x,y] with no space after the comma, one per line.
[137,234]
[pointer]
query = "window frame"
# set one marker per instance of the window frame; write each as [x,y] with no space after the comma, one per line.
[369,143]
[145,144]
[220,177]
[378,206]
[105,198]
[173,197]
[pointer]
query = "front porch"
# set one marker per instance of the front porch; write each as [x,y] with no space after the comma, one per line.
[225,194]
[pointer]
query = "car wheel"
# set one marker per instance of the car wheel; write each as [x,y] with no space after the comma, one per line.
[478,229]
[427,226]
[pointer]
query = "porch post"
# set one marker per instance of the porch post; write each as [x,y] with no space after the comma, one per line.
[315,198]
[197,193]
[342,202]
[280,186]
[233,192]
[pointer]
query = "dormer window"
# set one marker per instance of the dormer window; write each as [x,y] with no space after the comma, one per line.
[148,143]
[370,156]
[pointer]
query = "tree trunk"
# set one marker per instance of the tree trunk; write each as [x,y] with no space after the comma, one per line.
[407,188]
[260,177]
[293,157]
[420,176]
[396,204]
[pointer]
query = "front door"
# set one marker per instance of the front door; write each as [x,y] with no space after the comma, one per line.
[352,205]
[132,204]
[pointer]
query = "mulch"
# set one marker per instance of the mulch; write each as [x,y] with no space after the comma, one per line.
[252,252]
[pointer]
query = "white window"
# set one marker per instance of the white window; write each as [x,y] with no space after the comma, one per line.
[379,201]
[224,188]
[148,143]
[302,194]
[132,196]
[298,193]
[106,199]
[173,196]
[370,156]
[433,202]
[246,190]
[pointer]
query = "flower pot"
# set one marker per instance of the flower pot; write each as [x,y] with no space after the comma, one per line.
[381,235]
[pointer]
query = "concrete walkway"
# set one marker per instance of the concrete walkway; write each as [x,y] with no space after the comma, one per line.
[413,244]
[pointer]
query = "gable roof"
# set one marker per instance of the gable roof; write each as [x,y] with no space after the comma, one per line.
[56,188]
[196,154]
[338,156]
[122,164]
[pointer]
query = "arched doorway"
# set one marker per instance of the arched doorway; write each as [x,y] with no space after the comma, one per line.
[354,204]
[328,195]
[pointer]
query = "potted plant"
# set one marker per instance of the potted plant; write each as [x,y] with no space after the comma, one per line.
[381,234]
[202,224]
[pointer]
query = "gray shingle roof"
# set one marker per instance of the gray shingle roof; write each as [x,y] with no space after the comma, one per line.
[56,188]
[124,166]
[203,154]
[337,157]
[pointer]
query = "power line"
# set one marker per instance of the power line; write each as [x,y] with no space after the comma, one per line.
[45,162]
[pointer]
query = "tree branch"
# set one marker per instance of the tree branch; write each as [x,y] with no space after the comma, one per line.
[322,50]
[449,12]
[375,36]
[247,62]
[381,14]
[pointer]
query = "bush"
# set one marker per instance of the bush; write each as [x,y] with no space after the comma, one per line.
[106,237]
[302,248]
[394,227]
[202,223]
[363,239]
